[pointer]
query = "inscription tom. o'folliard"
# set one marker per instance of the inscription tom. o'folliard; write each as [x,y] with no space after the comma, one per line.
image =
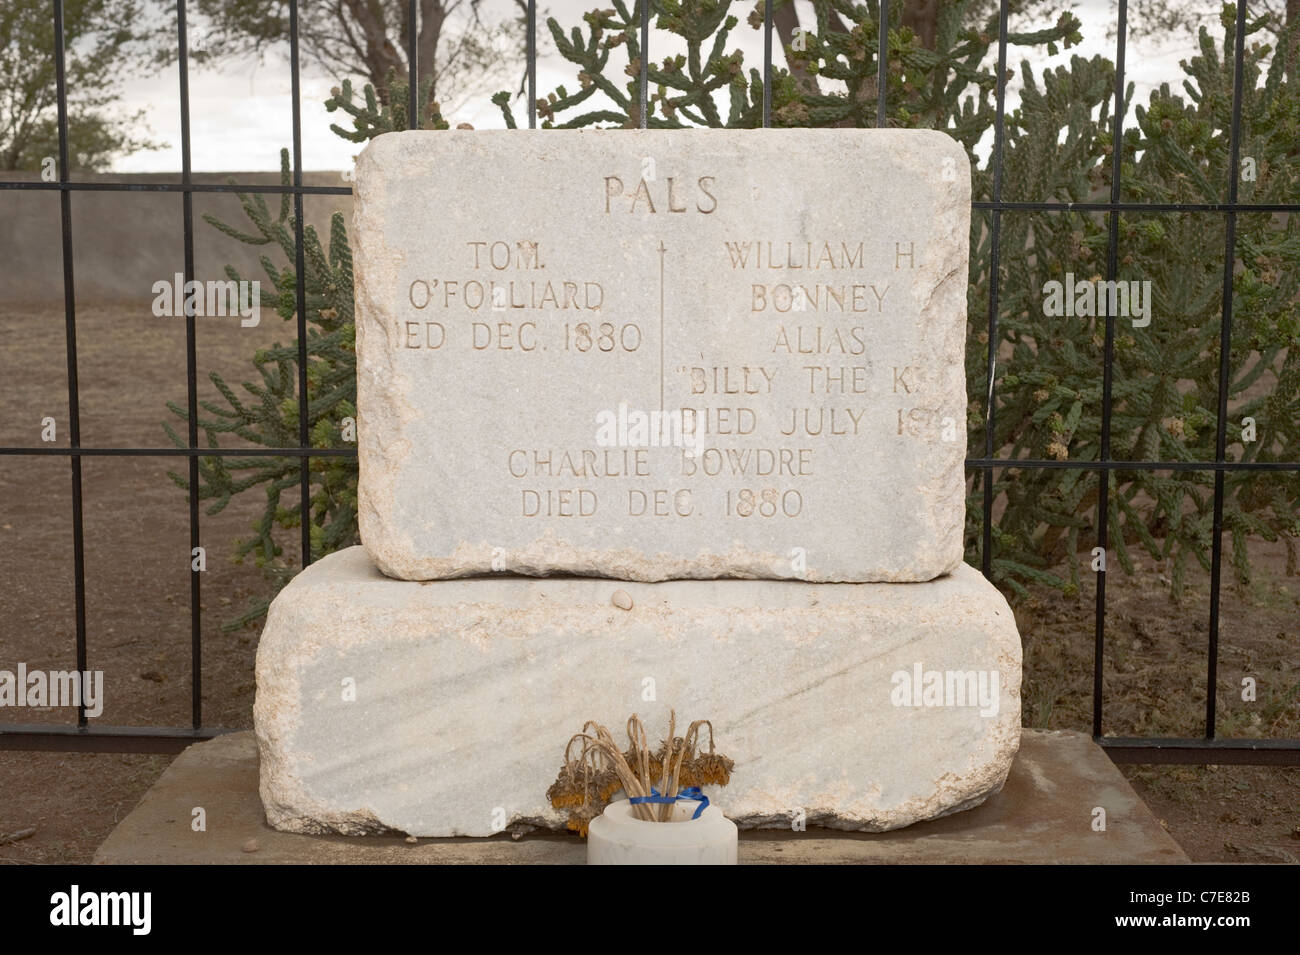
[655,354]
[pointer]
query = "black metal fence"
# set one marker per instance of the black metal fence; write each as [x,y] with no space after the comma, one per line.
[1207,749]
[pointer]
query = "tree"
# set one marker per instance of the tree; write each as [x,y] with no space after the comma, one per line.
[102,48]
[459,50]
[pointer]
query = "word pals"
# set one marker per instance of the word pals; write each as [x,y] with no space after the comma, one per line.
[672,196]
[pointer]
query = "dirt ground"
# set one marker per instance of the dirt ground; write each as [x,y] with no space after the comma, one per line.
[137,607]
[1154,685]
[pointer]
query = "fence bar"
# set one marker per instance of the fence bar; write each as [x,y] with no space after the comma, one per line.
[767,63]
[412,75]
[257,452]
[299,260]
[191,375]
[66,738]
[70,339]
[995,268]
[882,64]
[1251,752]
[644,84]
[1140,206]
[1225,353]
[1011,206]
[532,64]
[1049,464]
[1108,359]
[1026,464]
[171,187]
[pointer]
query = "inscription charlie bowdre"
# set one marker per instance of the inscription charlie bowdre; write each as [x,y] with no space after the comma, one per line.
[648,354]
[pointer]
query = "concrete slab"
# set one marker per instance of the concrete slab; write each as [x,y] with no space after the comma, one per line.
[1044,814]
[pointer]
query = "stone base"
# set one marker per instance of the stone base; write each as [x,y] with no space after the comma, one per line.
[443,708]
[1043,815]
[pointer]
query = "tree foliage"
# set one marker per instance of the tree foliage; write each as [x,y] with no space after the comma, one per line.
[102,46]
[460,48]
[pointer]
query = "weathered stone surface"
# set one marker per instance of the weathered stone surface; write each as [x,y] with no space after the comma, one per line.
[466,692]
[535,309]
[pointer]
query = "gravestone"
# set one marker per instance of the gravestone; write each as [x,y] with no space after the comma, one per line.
[664,354]
[656,360]
[857,706]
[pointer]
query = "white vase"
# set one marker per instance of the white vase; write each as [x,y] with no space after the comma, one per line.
[617,837]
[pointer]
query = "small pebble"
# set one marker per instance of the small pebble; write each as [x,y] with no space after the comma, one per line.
[251,845]
[622,600]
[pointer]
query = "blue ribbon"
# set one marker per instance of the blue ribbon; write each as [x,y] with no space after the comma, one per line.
[691,792]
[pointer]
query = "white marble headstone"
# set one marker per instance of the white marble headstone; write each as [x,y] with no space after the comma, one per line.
[653,354]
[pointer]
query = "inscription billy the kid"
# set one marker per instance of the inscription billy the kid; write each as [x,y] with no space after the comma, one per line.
[658,354]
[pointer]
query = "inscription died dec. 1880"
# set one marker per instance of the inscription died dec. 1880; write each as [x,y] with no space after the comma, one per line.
[653,354]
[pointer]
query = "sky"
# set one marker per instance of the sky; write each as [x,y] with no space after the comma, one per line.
[241,110]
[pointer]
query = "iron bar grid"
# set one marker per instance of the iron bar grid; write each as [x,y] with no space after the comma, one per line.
[86,738]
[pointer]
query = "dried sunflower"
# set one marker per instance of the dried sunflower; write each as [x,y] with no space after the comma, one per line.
[588,781]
